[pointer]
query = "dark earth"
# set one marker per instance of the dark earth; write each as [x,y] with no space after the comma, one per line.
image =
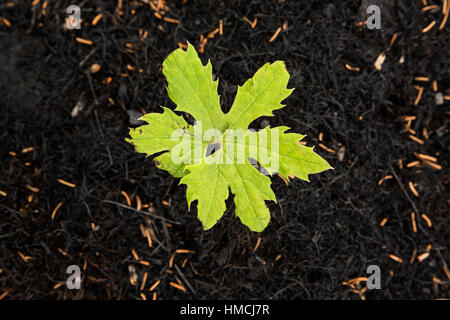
[323,235]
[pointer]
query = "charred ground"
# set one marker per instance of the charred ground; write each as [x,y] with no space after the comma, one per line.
[322,233]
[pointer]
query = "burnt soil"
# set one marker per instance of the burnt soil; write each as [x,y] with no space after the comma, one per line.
[321,233]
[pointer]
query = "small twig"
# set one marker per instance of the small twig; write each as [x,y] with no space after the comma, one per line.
[143,212]
[12,210]
[168,188]
[403,189]
[101,131]
[87,57]
[184,279]
[88,74]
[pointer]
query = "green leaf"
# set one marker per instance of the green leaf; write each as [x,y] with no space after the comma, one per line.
[260,95]
[191,87]
[211,177]
[251,189]
[209,184]
[295,159]
[156,136]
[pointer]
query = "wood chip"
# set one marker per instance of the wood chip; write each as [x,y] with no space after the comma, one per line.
[213,33]
[393,39]
[84,41]
[433,165]
[251,23]
[26,150]
[24,257]
[184,262]
[135,255]
[349,67]
[221,27]
[425,157]
[58,206]
[419,141]
[413,189]
[64,253]
[429,27]
[258,242]
[384,179]
[144,35]
[413,256]
[66,183]
[419,96]
[413,164]
[357,280]
[286,182]
[423,256]
[255,21]
[413,222]
[275,35]
[172,257]
[184,251]
[182,45]
[158,15]
[447,10]
[437,280]
[6,22]
[379,62]
[427,220]
[95,68]
[430,7]
[31,188]
[435,87]
[178,286]
[97,19]
[395,258]
[383,222]
[326,148]
[127,197]
[138,203]
[170,20]
[149,238]
[153,287]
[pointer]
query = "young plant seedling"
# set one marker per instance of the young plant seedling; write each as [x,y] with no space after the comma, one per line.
[219,152]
